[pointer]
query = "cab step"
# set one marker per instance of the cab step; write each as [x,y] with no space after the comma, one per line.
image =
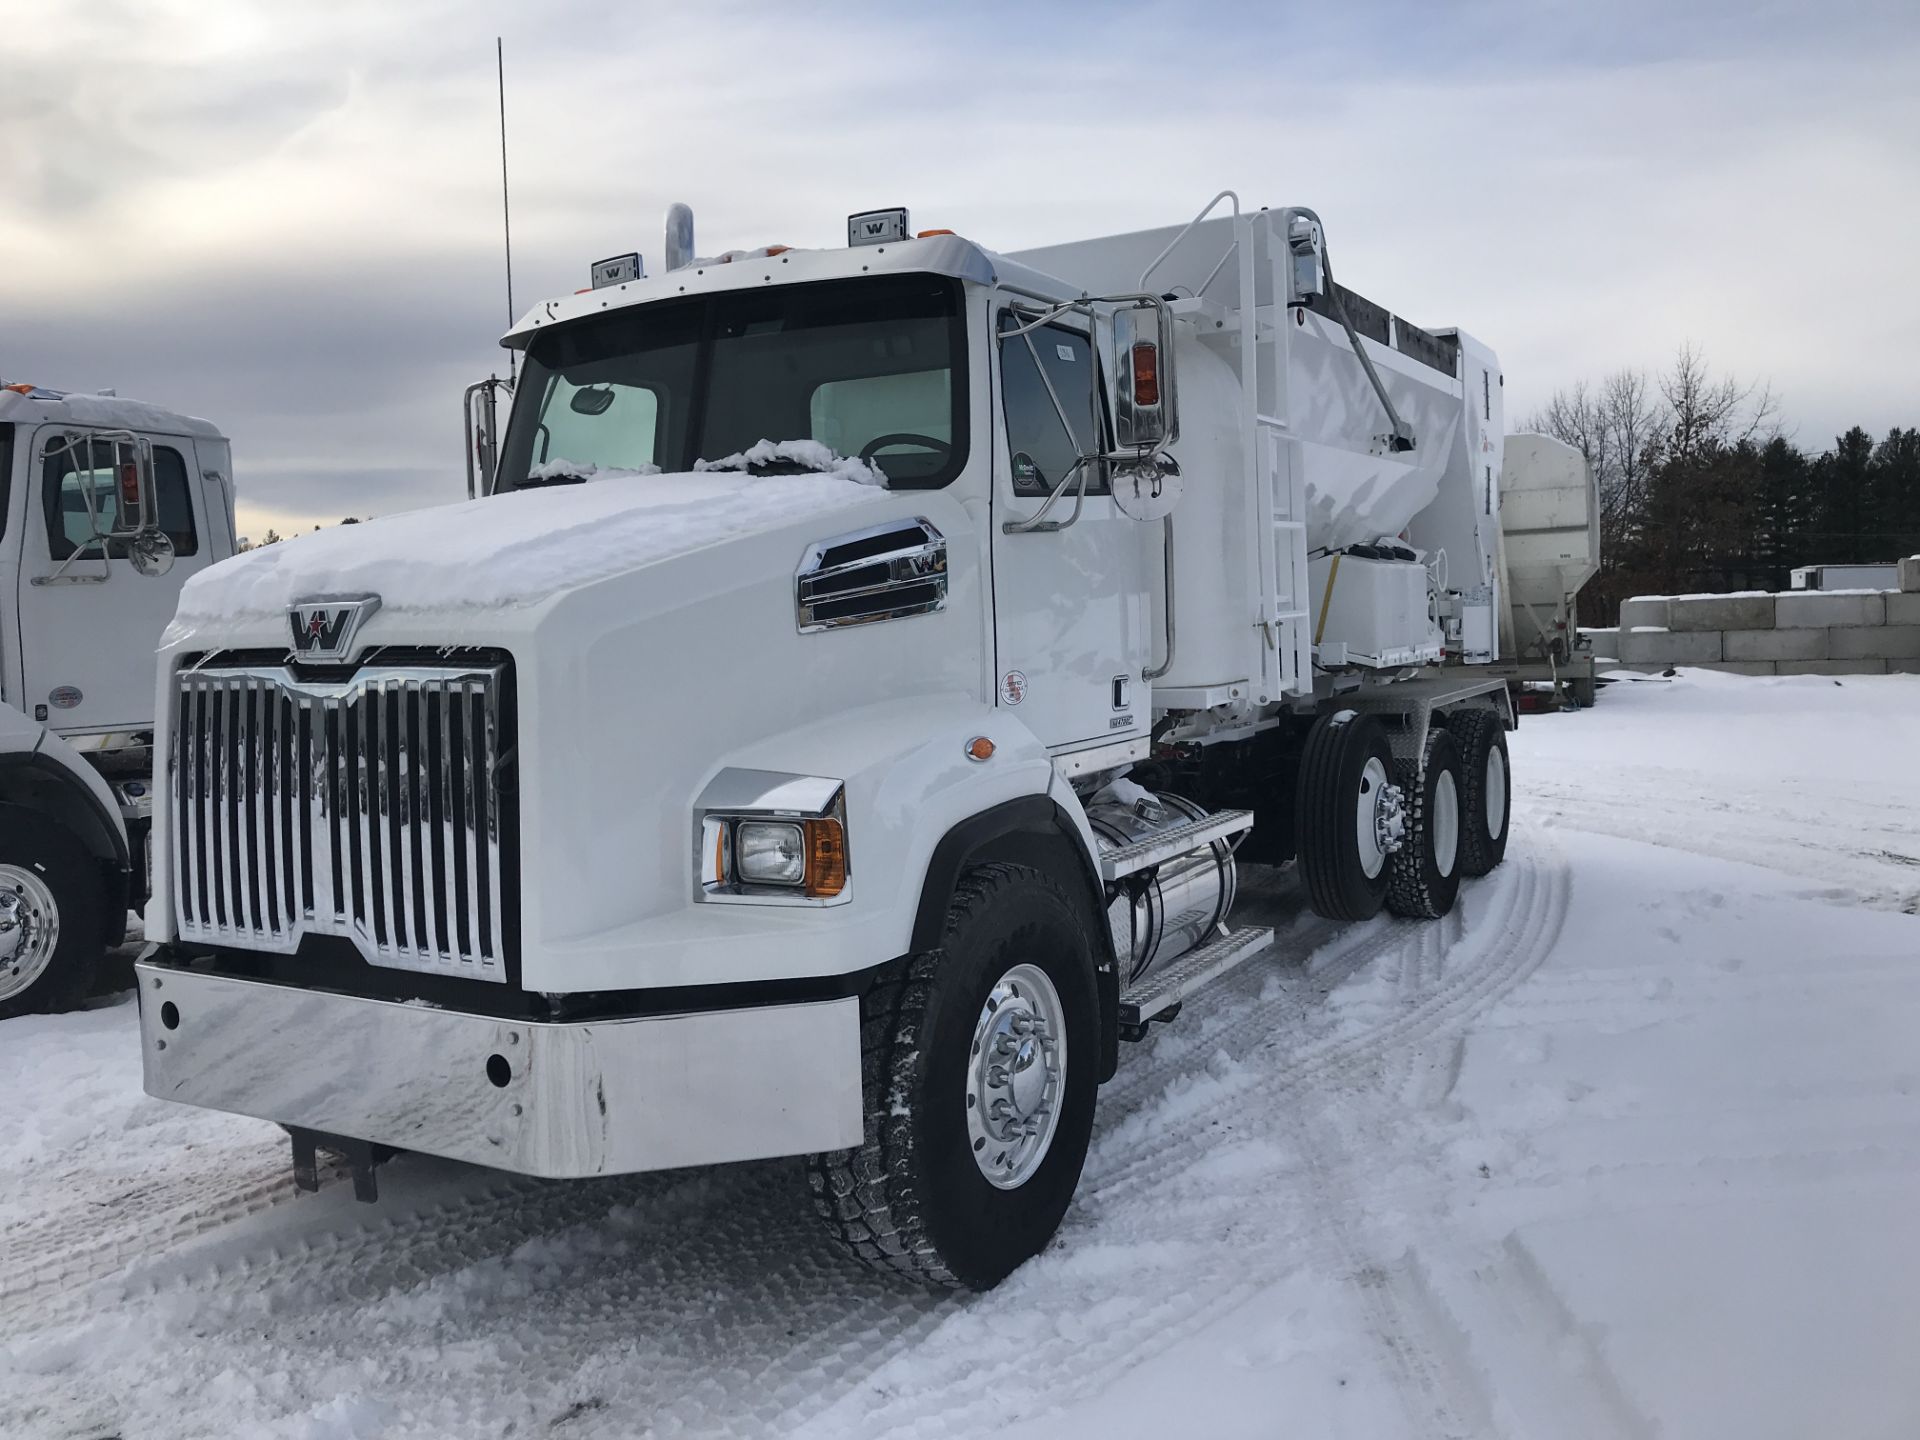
[1165,844]
[1163,990]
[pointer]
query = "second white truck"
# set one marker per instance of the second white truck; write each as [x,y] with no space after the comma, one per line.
[107,505]
[959,622]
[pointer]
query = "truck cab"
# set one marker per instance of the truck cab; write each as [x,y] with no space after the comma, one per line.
[834,725]
[107,506]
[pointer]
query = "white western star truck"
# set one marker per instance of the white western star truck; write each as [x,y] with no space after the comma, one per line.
[961,619]
[106,506]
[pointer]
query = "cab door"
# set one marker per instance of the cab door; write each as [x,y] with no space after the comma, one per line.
[89,621]
[1071,606]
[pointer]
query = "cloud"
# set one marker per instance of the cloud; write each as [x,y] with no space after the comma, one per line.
[287,218]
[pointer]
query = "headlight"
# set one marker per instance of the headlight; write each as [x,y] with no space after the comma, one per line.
[770,853]
[771,838]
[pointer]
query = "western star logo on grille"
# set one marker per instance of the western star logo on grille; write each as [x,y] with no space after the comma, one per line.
[324,629]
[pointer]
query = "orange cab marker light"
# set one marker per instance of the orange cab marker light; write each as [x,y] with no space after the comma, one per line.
[18,389]
[1146,374]
[773,250]
[980,748]
[826,858]
[929,234]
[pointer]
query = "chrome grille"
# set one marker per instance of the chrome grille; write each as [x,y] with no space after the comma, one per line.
[369,807]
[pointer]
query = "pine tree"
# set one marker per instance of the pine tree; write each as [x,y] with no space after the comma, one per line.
[1842,534]
[1894,495]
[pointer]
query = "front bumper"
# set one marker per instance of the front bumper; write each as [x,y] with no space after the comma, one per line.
[601,1097]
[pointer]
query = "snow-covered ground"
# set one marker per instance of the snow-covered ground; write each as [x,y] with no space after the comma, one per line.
[1627,1146]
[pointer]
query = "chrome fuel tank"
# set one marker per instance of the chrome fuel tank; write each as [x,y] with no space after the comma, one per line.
[1163,913]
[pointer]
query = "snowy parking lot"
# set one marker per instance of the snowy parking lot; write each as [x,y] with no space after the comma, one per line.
[1628,1145]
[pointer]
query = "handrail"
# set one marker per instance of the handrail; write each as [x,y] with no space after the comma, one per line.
[1175,243]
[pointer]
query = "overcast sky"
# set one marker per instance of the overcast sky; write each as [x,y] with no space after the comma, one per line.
[286,218]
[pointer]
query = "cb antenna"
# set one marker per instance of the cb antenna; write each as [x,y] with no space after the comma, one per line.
[506,210]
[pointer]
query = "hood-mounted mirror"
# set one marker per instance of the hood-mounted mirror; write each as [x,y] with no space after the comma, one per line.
[151,553]
[1147,489]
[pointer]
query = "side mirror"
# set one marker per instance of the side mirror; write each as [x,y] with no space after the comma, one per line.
[1140,367]
[1306,245]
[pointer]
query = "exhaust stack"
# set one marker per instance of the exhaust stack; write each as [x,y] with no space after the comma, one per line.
[679,236]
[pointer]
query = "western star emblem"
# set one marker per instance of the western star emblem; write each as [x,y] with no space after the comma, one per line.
[324,628]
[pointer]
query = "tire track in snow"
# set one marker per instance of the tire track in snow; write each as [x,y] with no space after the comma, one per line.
[91,1242]
[1472,982]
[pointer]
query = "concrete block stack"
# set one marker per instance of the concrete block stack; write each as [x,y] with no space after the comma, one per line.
[1845,632]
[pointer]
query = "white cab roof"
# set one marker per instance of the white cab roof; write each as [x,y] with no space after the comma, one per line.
[936,255]
[39,406]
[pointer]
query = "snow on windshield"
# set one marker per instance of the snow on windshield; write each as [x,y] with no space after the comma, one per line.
[808,454]
[587,470]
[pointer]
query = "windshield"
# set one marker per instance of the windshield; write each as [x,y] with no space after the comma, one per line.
[872,368]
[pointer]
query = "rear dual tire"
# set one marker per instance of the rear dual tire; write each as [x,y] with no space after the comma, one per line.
[1486,789]
[1343,833]
[1425,879]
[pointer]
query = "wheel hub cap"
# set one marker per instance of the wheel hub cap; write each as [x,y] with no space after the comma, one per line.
[1496,788]
[1446,823]
[29,929]
[1380,818]
[1015,1070]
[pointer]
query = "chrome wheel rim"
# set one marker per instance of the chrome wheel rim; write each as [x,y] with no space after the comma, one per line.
[1016,1074]
[1496,789]
[1379,818]
[29,929]
[1446,822]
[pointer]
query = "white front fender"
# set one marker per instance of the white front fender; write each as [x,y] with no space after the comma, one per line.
[909,781]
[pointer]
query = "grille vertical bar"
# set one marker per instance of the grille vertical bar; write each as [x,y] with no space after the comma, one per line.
[372,808]
[469,813]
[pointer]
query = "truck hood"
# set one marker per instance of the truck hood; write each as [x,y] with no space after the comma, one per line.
[516,549]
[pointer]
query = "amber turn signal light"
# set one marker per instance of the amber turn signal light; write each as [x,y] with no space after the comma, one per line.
[826,857]
[980,748]
[1146,374]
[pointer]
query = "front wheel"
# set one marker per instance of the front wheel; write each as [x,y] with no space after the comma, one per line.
[980,1062]
[51,900]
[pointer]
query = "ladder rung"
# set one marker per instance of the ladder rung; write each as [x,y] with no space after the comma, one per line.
[1165,844]
[1169,986]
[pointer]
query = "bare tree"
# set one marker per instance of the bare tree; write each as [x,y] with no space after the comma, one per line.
[1706,410]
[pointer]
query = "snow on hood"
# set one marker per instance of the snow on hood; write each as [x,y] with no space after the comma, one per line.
[516,548]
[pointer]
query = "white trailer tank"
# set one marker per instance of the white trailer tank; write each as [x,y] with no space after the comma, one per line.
[1318,410]
[1550,543]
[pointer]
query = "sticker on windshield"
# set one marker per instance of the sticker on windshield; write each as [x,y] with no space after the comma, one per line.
[1065,352]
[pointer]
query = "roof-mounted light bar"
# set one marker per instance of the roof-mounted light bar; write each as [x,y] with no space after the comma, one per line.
[879,227]
[618,270]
